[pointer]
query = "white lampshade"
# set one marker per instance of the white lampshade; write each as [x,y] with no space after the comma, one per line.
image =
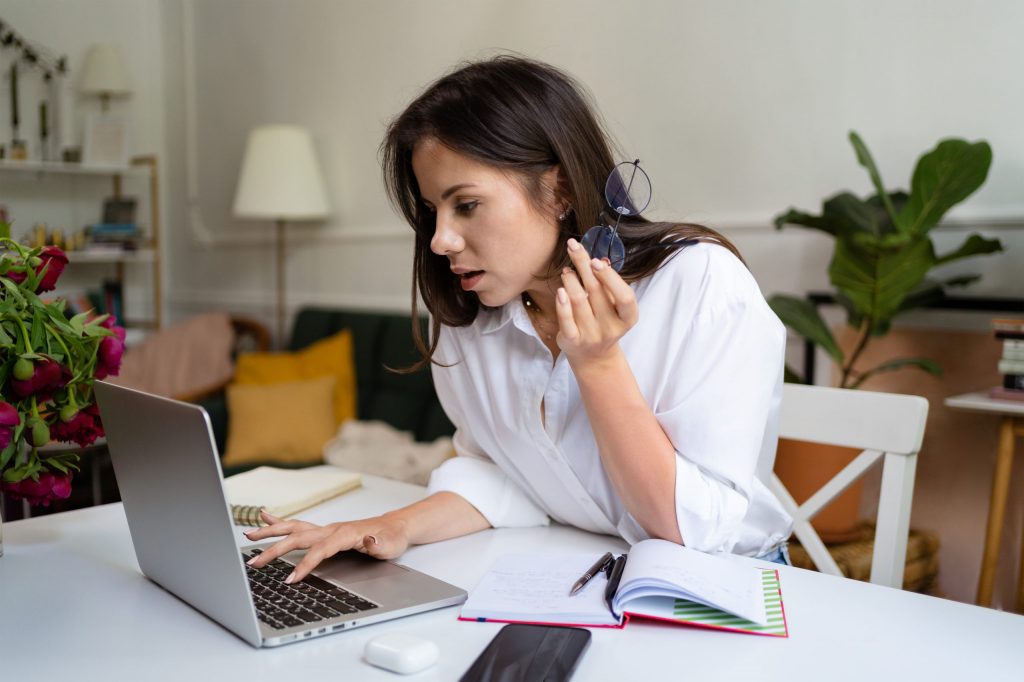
[104,72]
[280,178]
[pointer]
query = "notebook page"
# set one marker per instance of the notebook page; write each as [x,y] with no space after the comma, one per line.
[535,587]
[288,490]
[730,586]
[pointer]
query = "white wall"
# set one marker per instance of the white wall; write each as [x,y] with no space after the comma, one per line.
[738,109]
[69,28]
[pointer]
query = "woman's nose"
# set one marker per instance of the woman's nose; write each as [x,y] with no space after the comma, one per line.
[446,239]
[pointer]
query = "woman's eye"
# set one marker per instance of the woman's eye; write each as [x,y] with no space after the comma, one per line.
[466,207]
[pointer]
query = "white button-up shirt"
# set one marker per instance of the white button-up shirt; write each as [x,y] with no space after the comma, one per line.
[707,353]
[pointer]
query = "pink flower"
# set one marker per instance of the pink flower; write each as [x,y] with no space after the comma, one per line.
[49,487]
[47,376]
[54,260]
[111,350]
[84,428]
[9,418]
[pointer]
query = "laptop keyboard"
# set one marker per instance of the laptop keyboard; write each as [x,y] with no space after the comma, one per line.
[312,599]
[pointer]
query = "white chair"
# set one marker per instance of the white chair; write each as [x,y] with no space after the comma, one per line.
[885,426]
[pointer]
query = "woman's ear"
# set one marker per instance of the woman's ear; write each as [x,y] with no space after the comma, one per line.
[556,180]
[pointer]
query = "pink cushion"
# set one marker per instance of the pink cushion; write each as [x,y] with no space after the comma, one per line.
[184,359]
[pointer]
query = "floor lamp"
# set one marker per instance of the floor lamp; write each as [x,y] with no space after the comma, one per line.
[280,181]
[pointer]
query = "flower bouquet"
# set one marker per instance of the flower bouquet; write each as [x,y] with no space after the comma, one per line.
[48,363]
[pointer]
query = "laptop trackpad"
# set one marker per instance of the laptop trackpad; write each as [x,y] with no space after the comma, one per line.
[351,567]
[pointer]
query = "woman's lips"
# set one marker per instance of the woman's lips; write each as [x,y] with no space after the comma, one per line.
[470,279]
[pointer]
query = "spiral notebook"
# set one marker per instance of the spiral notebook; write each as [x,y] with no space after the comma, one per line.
[284,492]
[661,581]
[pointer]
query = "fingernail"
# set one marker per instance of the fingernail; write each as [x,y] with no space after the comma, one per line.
[574,245]
[291,578]
[252,560]
[566,271]
[598,264]
[563,298]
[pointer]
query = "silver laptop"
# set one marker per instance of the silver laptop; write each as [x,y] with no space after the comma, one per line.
[169,475]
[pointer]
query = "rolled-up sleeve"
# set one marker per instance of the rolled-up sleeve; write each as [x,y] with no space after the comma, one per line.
[471,474]
[479,480]
[726,376]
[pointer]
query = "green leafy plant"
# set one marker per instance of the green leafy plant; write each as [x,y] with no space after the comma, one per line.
[883,252]
[48,363]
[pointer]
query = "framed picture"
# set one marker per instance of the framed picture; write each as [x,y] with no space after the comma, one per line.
[106,140]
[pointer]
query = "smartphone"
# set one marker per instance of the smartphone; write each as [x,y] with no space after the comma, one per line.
[530,652]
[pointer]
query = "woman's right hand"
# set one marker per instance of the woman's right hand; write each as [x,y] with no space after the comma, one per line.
[382,537]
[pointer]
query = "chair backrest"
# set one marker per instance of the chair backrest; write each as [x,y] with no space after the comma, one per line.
[887,427]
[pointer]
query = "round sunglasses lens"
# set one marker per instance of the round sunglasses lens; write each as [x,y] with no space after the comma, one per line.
[601,241]
[628,190]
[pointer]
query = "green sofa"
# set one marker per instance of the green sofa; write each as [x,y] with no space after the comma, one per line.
[381,340]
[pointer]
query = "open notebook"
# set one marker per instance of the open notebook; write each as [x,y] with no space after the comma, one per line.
[284,492]
[661,580]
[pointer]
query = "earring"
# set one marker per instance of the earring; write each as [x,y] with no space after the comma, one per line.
[565,214]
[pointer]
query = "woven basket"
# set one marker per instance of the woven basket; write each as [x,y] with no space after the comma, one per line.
[854,557]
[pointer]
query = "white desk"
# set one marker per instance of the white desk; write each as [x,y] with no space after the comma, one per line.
[1012,426]
[119,626]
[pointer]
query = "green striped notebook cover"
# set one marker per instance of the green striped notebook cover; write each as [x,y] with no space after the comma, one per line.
[698,614]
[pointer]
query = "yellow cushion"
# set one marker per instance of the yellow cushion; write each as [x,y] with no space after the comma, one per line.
[287,422]
[328,357]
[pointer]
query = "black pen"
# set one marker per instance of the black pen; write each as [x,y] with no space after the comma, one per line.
[591,572]
[614,576]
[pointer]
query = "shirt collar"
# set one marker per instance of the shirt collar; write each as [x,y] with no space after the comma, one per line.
[513,312]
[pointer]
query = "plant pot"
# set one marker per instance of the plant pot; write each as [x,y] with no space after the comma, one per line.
[804,468]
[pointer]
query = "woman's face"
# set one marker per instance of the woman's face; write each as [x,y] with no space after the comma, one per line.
[496,242]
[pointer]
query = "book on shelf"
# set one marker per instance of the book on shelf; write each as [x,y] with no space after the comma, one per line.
[1008,325]
[659,580]
[284,492]
[1014,382]
[1011,364]
[999,393]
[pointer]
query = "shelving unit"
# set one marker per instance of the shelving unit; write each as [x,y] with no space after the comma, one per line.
[149,255]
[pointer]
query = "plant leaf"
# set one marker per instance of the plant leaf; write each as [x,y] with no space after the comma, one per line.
[944,177]
[795,217]
[38,331]
[8,453]
[925,364]
[13,290]
[801,316]
[974,245]
[791,377]
[877,281]
[851,216]
[864,158]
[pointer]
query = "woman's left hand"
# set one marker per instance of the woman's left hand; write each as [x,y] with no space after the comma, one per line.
[595,308]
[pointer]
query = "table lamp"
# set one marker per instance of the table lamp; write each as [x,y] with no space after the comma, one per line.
[280,181]
[104,74]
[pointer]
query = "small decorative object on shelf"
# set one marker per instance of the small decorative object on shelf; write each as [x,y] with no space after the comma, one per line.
[1011,365]
[48,364]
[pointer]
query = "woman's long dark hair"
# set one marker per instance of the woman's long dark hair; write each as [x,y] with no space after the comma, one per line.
[525,117]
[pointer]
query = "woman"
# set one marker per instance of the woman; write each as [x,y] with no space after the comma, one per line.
[640,403]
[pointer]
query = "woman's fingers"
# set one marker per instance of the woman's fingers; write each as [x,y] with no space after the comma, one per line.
[582,261]
[566,321]
[341,539]
[620,295]
[299,540]
[384,544]
[580,302]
